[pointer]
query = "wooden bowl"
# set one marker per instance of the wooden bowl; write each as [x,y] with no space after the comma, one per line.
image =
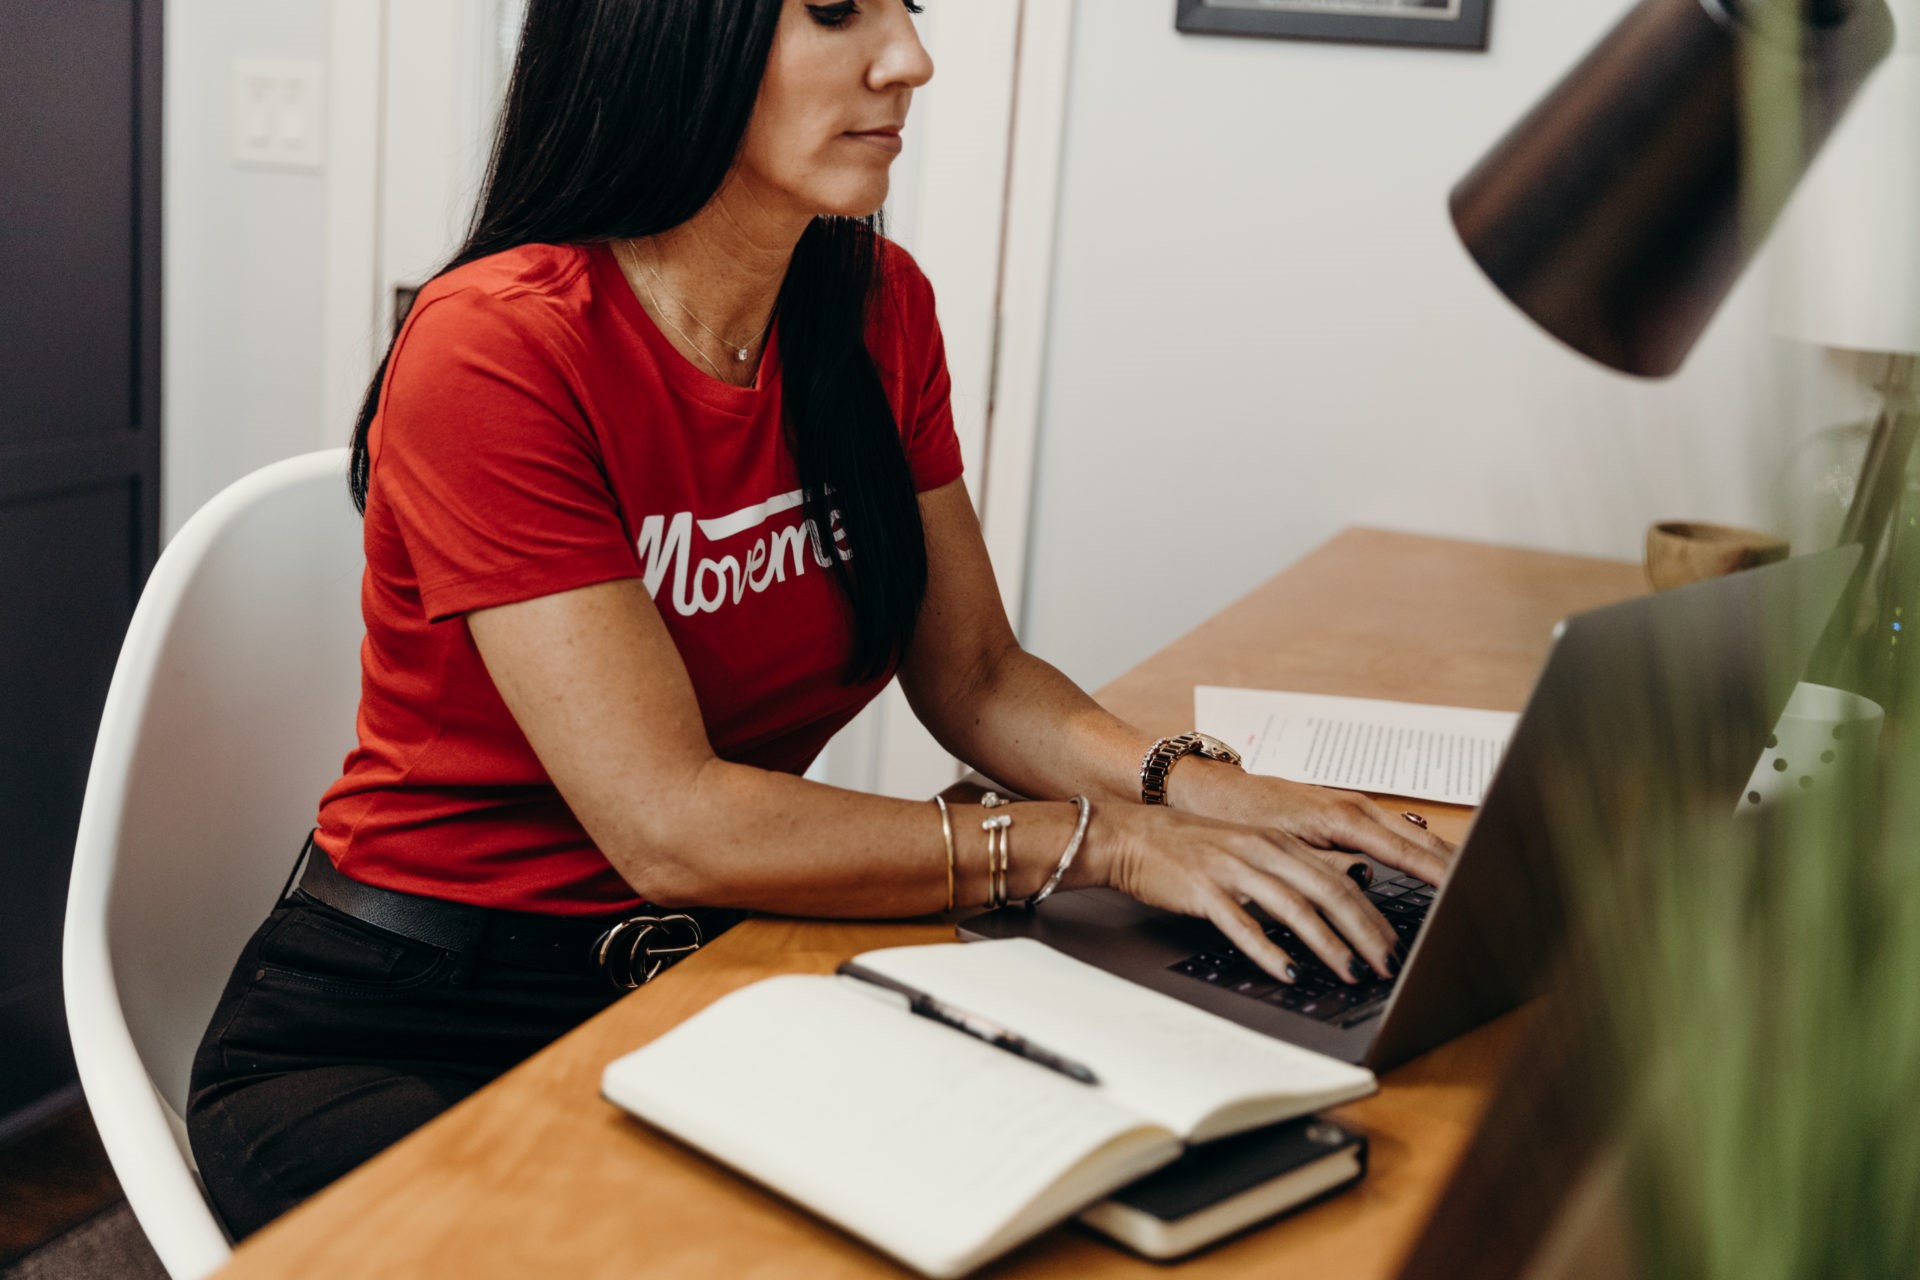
[1683,551]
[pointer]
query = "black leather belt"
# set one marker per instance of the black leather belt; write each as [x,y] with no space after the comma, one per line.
[628,949]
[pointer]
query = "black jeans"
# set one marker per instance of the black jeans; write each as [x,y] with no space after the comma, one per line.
[334,1039]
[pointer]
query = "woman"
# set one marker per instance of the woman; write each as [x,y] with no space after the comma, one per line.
[661,486]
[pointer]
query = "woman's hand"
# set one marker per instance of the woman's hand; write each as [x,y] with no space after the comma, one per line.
[1341,822]
[1205,867]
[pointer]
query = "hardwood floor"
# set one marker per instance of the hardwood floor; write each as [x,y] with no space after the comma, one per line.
[52,1179]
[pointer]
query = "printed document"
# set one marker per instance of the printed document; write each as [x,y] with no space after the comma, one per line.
[1398,748]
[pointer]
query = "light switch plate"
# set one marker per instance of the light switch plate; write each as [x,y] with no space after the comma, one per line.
[279,117]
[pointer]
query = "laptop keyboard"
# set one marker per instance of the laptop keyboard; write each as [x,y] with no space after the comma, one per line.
[1319,993]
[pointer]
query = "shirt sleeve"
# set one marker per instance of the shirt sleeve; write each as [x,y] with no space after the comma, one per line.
[926,429]
[493,475]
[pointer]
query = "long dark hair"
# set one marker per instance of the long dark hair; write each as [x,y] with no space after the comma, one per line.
[622,118]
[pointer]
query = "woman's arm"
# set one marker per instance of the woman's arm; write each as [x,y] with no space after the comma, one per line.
[592,678]
[1020,721]
[594,681]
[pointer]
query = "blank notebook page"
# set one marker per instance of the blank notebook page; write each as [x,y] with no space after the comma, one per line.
[926,1142]
[1197,1074]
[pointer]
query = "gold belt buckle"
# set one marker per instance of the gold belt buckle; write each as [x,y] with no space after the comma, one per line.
[633,952]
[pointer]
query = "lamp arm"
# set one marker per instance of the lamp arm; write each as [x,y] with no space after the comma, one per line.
[1885,466]
[1876,496]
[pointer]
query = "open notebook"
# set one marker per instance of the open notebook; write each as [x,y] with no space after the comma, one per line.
[938,1148]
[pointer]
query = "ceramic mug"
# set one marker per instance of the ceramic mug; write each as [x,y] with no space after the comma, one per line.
[1684,551]
[1822,732]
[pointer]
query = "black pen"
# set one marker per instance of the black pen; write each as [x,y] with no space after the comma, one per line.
[972,1024]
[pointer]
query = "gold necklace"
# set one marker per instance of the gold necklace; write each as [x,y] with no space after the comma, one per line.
[694,346]
[741,351]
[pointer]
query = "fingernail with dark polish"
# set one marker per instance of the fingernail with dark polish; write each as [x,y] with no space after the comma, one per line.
[1393,962]
[1293,973]
[1358,968]
[1362,874]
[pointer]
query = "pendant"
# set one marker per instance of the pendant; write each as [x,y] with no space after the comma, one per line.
[741,355]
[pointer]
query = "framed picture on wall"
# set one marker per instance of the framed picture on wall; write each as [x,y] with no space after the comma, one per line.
[1446,24]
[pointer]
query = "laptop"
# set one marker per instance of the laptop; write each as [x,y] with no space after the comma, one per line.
[1659,701]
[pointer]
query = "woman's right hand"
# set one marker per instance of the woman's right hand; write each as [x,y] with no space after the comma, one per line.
[1197,866]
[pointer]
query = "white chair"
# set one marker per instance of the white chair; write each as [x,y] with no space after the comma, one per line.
[231,709]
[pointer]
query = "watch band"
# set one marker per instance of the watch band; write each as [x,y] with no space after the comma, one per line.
[1162,755]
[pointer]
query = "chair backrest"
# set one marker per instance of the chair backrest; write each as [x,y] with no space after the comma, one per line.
[231,710]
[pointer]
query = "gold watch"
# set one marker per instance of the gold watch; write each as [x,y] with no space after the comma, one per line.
[1162,754]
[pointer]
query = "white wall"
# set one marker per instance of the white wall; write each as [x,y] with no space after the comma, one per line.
[278,283]
[244,271]
[1264,329]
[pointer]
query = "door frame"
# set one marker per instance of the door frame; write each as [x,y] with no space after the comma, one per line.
[396,205]
[995,140]
[356,111]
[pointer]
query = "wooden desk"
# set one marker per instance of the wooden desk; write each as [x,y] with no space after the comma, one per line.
[536,1176]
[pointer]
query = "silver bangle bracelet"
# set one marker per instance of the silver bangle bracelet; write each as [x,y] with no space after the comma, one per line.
[1066,859]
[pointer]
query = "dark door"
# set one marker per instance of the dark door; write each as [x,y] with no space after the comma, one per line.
[79,459]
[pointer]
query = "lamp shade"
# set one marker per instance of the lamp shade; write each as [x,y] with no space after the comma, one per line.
[1846,270]
[1622,209]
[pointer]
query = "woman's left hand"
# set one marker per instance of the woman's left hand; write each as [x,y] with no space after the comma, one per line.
[1343,823]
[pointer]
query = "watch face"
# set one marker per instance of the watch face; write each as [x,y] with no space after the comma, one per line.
[1214,749]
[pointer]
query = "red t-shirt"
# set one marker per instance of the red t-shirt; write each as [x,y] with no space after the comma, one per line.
[538,433]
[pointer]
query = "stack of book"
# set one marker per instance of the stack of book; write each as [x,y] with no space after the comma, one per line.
[946,1149]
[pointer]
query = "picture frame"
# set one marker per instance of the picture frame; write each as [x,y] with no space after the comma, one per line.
[1440,24]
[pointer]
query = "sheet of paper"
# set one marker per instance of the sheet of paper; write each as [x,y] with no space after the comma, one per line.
[1398,748]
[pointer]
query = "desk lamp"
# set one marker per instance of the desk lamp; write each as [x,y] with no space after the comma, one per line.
[1622,209]
[1618,214]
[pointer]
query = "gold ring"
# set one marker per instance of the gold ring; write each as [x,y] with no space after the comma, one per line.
[1415,819]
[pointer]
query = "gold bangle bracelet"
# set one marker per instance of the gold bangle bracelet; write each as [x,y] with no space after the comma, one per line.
[946,834]
[997,841]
